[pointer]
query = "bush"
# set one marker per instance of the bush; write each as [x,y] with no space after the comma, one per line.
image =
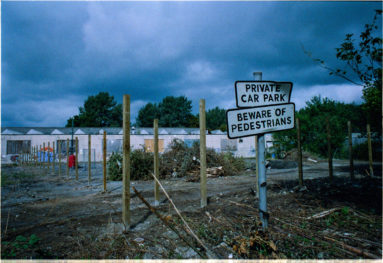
[141,165]
[179,158]
[115,167]
[360,151]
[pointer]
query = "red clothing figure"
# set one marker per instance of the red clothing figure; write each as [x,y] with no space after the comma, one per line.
[72,160]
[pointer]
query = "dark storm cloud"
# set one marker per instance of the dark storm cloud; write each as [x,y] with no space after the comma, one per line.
[57,54]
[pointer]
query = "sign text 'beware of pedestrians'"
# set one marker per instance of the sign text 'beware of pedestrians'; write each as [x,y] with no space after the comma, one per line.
[251,121]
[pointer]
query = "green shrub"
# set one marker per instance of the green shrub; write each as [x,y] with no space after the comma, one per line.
[360,151]
[115,167]
[141,165]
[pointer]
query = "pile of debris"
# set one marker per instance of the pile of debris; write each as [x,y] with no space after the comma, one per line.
[194,176]
[292,155]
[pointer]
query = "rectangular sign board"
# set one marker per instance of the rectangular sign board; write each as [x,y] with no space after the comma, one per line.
[261,93]
[253,121]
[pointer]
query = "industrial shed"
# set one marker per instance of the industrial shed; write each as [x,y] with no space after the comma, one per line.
[18,140]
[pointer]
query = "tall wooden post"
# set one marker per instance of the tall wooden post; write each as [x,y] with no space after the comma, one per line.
[156,164]
[67,157]
[59,156]
[104,159]
[369,149]
[53,157]
[256,165]
[350,150]
[49,159]
[44,163]
[300,168]
[36,154]
[126,162]
[89,157]
[202,150]
[40,157]
[33,156]
[76,158]
[329,153]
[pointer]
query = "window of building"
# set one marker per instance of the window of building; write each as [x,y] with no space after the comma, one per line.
[189,142]
[113,145]
[18,147]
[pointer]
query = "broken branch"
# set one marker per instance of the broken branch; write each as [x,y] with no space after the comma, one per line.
[154,211]
[208,251]
[324,213]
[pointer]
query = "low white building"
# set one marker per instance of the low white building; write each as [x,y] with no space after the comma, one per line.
[18,140]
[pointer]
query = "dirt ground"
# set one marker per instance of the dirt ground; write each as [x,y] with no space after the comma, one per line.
[47,216]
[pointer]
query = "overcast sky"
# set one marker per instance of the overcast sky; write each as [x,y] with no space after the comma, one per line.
[56,54]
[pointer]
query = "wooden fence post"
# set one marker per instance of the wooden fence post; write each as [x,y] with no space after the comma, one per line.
[329,153]
[53,157]
[67,157]
[104,159]
[369,150]
[156,165]
[44,164]
[33,156]
[202,131]
[126,162]
[59,156]
[49,159]
[36,154]
[300,168]
[89,158]
[350,150]
[76,158]
[40,157]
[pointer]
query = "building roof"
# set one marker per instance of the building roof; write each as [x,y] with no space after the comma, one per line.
[95,131]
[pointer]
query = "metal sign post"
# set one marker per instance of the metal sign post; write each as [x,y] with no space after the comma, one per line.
[264,216]
[263,106]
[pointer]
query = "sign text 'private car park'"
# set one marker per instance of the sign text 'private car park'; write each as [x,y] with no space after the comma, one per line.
[253,94]
[263,106]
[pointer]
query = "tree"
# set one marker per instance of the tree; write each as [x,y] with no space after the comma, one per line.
[175,111]
[147,114]
[216,119]
[171,112]
[313,125]
[98,111]
[363,67]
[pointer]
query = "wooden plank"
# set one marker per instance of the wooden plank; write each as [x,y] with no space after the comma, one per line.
[104,160]
[156,164]
[126,162]
[202,127]
[89,158]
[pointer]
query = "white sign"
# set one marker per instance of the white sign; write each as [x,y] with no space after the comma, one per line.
[261,93]
[253,121]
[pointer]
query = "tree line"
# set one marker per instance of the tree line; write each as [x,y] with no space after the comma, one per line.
[102,110]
